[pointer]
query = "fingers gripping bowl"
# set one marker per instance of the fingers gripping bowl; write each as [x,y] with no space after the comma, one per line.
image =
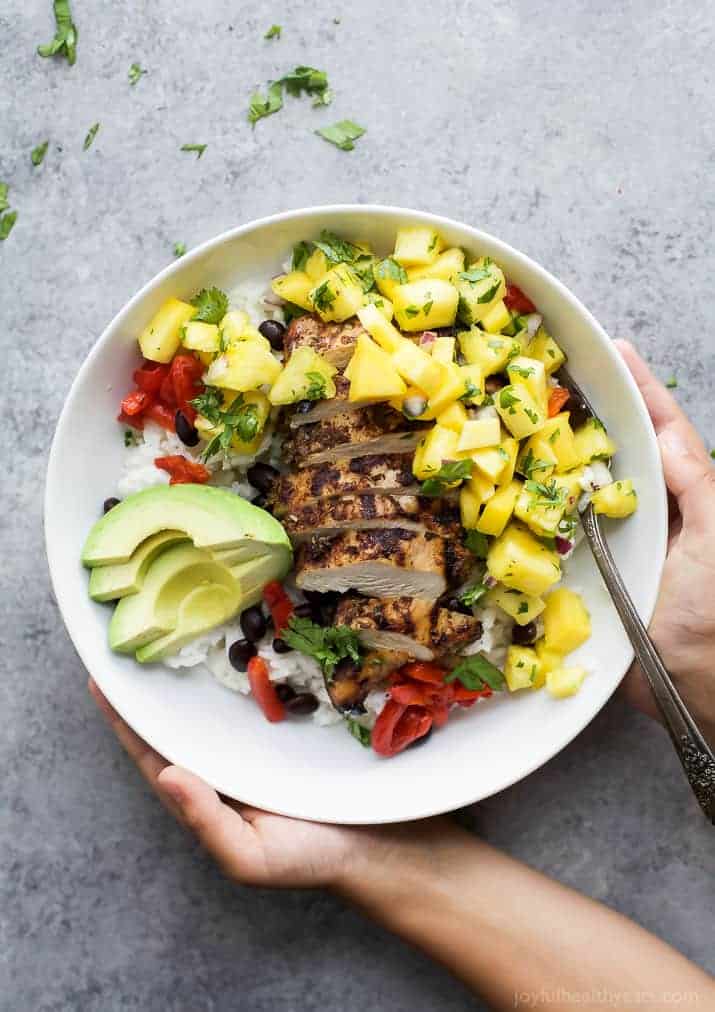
[288,767]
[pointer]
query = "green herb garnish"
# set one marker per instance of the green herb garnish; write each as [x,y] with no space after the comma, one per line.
[427,307]
[7,223]
[520,370]
[507,398]
[4,202]
[337,250]
[316,386]
[363,734]
[301,255]
[489,294]
[135,73]
[671,383]
[477,543]
[211,305]
[37,155]
[411,311]
[197,148]
[448,474]
[324,296]
[470,596]
[274,32]
[261,106]
[179,249]
[389,270]
[342,134]
[532,463]
[239,419]
[477,673]
[547,494]
[302,79]
[327,645]
[474,274]
[65,41]
[91,134]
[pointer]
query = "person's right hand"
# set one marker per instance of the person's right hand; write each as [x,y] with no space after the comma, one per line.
[683,626]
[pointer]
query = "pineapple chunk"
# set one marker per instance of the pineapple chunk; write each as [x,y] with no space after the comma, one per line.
[197,336]
[474,383]
[258,400]
[380,329]
[567,623]
[451,387]
[572,486]
[317,266]
[481,488]
[522,668]
[479,432]
[519,411]
[498,511]
[160,339]
[424,305]
[523,608]
[417,367]
[470,503]
[415,397]
[416,246]
[519,561]
[389,275]
[338,296]
[373,377]
[480,288]
[233,326]
[543,347]
[510,446]
[305,376]
[245,366]
[496,319]
[454,417]
[531,373]
[446,266]
[541,505]
[557,432]
[490,352]
[550,658]
[537,459]
[489,461]
[563,682]
[294,287]
[381,302]
[443,349]
[618,499]
[439,444]
[593,442]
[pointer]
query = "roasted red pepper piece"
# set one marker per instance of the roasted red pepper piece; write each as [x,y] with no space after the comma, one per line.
[162,415]
[136,421]
[150,377]
[423,671]
[185,373]
[135,403]
[264,691]
[280,605]
[398,726]
[182,470]
[517,301]
[557,399]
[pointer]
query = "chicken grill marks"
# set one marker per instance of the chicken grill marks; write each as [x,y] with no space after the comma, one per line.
[352,682]
[334,341]
[352,434]
[418,628]
[328,518]
[370,475]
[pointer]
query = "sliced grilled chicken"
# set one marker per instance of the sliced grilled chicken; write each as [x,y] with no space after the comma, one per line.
[352,434]
[352,682]
[383,563]
[328,518]
[318,411]
[418,628]
[374,474]
[334,341]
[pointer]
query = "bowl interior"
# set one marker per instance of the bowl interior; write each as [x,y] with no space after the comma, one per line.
[296,768]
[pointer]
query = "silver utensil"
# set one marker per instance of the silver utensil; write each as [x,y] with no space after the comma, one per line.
[695,754]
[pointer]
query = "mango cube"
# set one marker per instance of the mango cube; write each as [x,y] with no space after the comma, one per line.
[197,336]
[618,499]
[489,351]
[380,329]
[450,387]
[474,383]
[233,325]
[381,302]
[592,442]
[454,417]
[543,347]
[557,432]
[306,375]
[425,304]
[523,608]
[479,432]
[443,350]
[439,444]
[496,319]
[416,245]
[520,413]
[567,623]
[541,508]
[337,296]
[564,682]
[550,659]
[160,339]
[417,367]
[521,669]
[499,509]
[446,266]
[294,287]
[510,446]
[531,373]
[537,459]
[480,287]
[317,266]
[519,561]
[244,366]
[489,461]
[373,377]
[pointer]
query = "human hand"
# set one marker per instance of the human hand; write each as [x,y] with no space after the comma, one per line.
[683,625]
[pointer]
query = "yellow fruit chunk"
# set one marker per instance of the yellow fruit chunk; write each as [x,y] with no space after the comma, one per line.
[380,329]
[567,623]
[233,326]
[593,442]
[439,445]
[474,383]
[317,266]
[381,302]
[245,366]
[498,511]
[521,669]
[416,245]
[489,461]
[425,305]
[541,505]
[443,350]
[480,288]
[543,347]
[531,373]
[454,417]
[557,432]
[197,336]
[496,319]
[537,459]
[160,339]
[294,287]
[550,659]
[479,432]
[451,387]
[481,488]
[373,377]
[446,266]
[337,296]
[417,367]
[563,682]
[389,275]
[489,351]
[523,608]
[207,430]
[510,446]
[305,376]
[618,499]
[573,489]
[519,411]
[519,561]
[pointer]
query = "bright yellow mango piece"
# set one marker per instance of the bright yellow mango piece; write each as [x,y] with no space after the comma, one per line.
[593,442]
[380,329]
[337,296]
[541,509]
[474,383]
[160,339]
[489,461]
[496,319]
[522,667]
[373,377]
[550,659]
[305,376]
[317,266]
[489,351]
[480,288]
[454,417]
[523,608]
[618,499]
[567,623]
[479,432]
[510,446]
[531,374]
[557,432]
[450,387]
[446,266]
[416,245]
[197,336]
[439,444]
[381,302]
[417,367]
[425,305]
[481,488]
[564,682]
[294,287]
[244,366]
[498,511]
[519,561]
[443,350]
[519,412]
[543,347]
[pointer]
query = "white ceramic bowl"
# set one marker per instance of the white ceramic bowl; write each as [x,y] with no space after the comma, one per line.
[296,768]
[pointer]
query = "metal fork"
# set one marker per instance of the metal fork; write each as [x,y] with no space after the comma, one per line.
[695,754]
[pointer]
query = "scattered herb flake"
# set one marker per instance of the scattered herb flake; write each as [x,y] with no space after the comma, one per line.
[473,275]
[449,474]
[301,255]
[672,383]
[470,596]
[4,202]
[198,148]
[389,270]
[328,645]
[135,73]
[91,134]
[261,106]
[239,419]
[179,249]
[337,250]
[477,543]
[37,155]
[65,41]
[311,81]
[7,222]
[411,311]
[211,305]
[426,309]
[507,398]
[342,134]
[523,608]
[316,386]
[476,673]
[363,734]
[274,32]
[489,294]
[324,296]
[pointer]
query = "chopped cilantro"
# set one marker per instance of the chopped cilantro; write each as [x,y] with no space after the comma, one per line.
[363,734]
[471,595]
[411,311]
[7,222]
[4,202]
[130,438]
[671,383]
[448,474]
[302,79]
[474,274]
[37,155]
[198,148]
[239,419]
[471,391]
[91,134]
[135,73]
[292,312]
[531,463]
[523,608]
[427,307]
[489,294]
[301,255]
[324,296]
[65,41]
[532,416]
[547,494]
[274,32]
[389,270]
[316,386]
[507,398]
[476,673]
[337,250]
[211,305]
[179,249]
[477,543]
[327,645]
[520,370]
[342,134]
[261,106]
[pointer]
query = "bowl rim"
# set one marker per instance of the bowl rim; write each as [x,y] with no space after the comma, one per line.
[307,213]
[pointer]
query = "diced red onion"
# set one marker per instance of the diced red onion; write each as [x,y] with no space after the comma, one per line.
[428,338]
[489,581]
[533,322]
[563,545]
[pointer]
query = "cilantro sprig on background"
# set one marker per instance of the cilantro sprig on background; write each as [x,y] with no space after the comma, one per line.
[301,80]
[239,419]
[7,219]
[91,134]
[65,41]
[37,155]
[328,646]
[342,134]
[477,673]
[198,149]
[135,73]
[274,32]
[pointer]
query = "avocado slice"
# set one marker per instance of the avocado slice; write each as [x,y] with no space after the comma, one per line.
[213,518]
[154,610]
[106,583]
[256,573]
[202,609]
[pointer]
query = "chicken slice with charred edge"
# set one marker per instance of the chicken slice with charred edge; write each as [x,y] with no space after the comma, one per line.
[334,341]
[371,475]
[352,434]
[383,563]
[352,682]
[329,518]
[420,629]
[309,412]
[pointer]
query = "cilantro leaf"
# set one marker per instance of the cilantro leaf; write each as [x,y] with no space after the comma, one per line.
[363,734]
[342,134]
[532,463]
[179,249]
[91,134]
[471,595]
[507,398]
[323,296]
[520,370]
[448,474]
[209,404]
[239,419]
[301,254]
[316,387]
[672,383]
[474,274]
[309,80]
[389,270]
[489,294]
[328,645]
[292,312]
[274,32]
[4,202]
[211,305]
[471,391]
[337,250]
[37,155]
[65,41]
[135,73]
[476,673]
[548,495]
[198,148]
[7,222]
[261,106]
[477,543]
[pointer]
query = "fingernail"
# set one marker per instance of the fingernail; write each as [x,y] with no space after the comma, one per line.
[672,442]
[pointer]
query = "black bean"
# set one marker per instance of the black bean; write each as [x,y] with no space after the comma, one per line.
[302,704]
[306,610]
[240,653]
[109,504]
[320,597]
[253,624]
[274,332]
[303,407]
[578,411]
[185,430]
[280,646]
[284,692]
[262,476]
[420,741]
[524,635]
[454,604]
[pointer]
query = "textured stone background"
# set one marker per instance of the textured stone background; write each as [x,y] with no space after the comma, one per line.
[580,132]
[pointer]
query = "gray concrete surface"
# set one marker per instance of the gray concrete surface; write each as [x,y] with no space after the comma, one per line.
[581,132]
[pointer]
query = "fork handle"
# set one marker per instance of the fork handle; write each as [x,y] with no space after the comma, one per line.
[694,753]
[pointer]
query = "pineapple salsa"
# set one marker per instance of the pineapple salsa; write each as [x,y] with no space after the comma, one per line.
[456,353]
